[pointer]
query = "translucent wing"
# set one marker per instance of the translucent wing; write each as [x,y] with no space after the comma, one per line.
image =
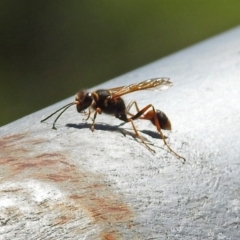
[153,84]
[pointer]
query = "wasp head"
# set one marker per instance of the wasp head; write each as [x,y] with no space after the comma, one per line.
[84,100]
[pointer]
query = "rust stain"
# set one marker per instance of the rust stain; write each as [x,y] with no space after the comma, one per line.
[58,177]
[8,141]
[109,210]
[21,166]
[50,155]
[111,236]
[62,220]
[6,160]
[12,137]
[11,190]
[83,191]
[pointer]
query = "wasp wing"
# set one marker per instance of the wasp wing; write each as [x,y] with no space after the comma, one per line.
[153,84]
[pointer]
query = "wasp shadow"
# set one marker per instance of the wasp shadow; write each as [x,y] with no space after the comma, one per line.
[114,128]
[150,133]
[153,134]
[103,127]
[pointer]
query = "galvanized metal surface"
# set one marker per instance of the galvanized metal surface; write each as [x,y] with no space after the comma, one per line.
[77,184]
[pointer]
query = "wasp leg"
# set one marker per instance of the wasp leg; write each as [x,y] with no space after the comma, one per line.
[130,105]
[139,136]
[88,114]
[152,116]
[97,111]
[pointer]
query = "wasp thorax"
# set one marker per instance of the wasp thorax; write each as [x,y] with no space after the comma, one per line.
[84,100]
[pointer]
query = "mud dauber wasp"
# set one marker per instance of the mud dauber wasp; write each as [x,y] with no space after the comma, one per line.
[109,101]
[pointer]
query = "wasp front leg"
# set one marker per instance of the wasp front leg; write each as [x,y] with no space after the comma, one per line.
[97,111]
[88,114]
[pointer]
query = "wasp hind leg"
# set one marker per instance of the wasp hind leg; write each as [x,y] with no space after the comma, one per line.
[139,136]
[151,115]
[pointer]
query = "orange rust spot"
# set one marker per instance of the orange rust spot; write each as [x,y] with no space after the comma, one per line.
[37,141]
[62,220]
[76,197]
[22,166]
[66,207]
[7,140]
[58,177]
[50,155]
[13,137]
[25,165]
[110,236]
[66,163]
[6,160]
[94,186]
[105,208]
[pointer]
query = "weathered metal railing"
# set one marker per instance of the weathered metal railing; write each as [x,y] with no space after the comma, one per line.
[77,184]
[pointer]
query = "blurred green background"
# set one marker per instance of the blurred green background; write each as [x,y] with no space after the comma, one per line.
[51,49]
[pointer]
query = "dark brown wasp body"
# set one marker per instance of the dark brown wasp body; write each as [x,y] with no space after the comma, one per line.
[109,101]
[103,102]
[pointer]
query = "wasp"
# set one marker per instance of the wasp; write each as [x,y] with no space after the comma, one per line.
[109,101]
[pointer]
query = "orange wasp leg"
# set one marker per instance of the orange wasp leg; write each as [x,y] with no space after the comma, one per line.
[139,136]
[136,132]
[88,114]
[148,116]
[129,107]
[97,111]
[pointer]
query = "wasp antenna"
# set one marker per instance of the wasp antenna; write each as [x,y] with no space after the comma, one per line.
[69,104]
[64,109]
